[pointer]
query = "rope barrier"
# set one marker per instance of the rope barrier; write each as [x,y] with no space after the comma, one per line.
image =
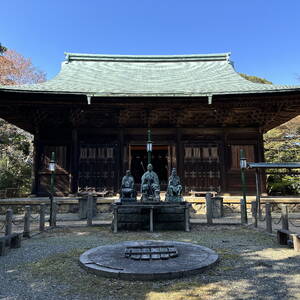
[293,224]
[276,223]
[35,218]
[17,223]
[293,208]
[230,206]
[4,223]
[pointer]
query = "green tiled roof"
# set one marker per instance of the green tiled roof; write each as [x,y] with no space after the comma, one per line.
[149,75]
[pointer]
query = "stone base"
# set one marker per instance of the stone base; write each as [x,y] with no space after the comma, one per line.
[166,216]
[174,199]
[145,199]
[127,200]
[148,260]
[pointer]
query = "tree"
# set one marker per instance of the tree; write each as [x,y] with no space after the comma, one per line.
[16,69]
[2,49]
[255,79]
[16,144]
[282,144]
[15,157]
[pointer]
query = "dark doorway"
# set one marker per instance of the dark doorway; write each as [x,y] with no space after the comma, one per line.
[139,160]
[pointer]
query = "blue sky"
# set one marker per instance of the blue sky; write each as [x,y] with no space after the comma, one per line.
[262,35]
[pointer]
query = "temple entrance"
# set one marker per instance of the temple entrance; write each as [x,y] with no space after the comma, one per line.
[138,162]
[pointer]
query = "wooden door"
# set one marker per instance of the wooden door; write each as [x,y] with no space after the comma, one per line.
[98,167]
[201,167]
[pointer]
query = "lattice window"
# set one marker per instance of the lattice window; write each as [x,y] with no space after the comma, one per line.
[196,152]
[110,152]
[188,152]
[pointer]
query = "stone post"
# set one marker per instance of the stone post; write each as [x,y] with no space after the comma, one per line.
[90,210]
[54,215]
[115,219]
[243,205]
[209,208]
[254,212]
[26,232]
[8,221]
[284,217]
[151,219]
[42,217]
[187,217]
[268,218]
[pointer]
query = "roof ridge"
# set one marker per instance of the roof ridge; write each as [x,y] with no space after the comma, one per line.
[147,58]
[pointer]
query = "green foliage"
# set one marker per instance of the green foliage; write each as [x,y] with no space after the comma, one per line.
[15,158]
[16,144]
[283,185]
[255,79]
[2,49]
[282,144]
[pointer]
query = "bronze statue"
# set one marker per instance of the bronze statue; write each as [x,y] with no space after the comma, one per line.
[150,185]
[127,187]
[174,188]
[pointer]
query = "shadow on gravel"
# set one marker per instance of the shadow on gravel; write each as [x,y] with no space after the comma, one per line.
[252,266]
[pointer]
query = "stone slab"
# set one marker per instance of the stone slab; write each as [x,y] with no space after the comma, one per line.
[111,261]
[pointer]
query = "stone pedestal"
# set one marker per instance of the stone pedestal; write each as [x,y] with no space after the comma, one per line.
[151,216]
[127,200]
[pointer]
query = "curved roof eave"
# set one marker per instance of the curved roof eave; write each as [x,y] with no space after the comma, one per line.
[149,76]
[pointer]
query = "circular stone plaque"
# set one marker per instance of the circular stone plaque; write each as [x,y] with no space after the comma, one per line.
[148,260]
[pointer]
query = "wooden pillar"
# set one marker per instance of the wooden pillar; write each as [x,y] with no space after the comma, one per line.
[261,158]
[121,170]
[74,161]
[223,165]
[179,155]
[36,163]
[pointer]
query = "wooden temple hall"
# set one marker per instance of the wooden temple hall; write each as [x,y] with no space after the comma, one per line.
[96,112]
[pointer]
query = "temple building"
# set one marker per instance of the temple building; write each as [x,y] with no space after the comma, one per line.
[95,114]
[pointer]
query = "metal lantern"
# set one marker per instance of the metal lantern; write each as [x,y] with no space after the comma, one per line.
[52,163]
[243,163]
[149,146]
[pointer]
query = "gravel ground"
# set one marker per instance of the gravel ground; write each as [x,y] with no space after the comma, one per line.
[252,266]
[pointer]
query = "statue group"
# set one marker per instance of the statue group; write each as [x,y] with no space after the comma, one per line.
[150,188]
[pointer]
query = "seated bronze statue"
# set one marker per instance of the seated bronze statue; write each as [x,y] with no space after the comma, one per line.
[150,186]
[127,188]
[174,188]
